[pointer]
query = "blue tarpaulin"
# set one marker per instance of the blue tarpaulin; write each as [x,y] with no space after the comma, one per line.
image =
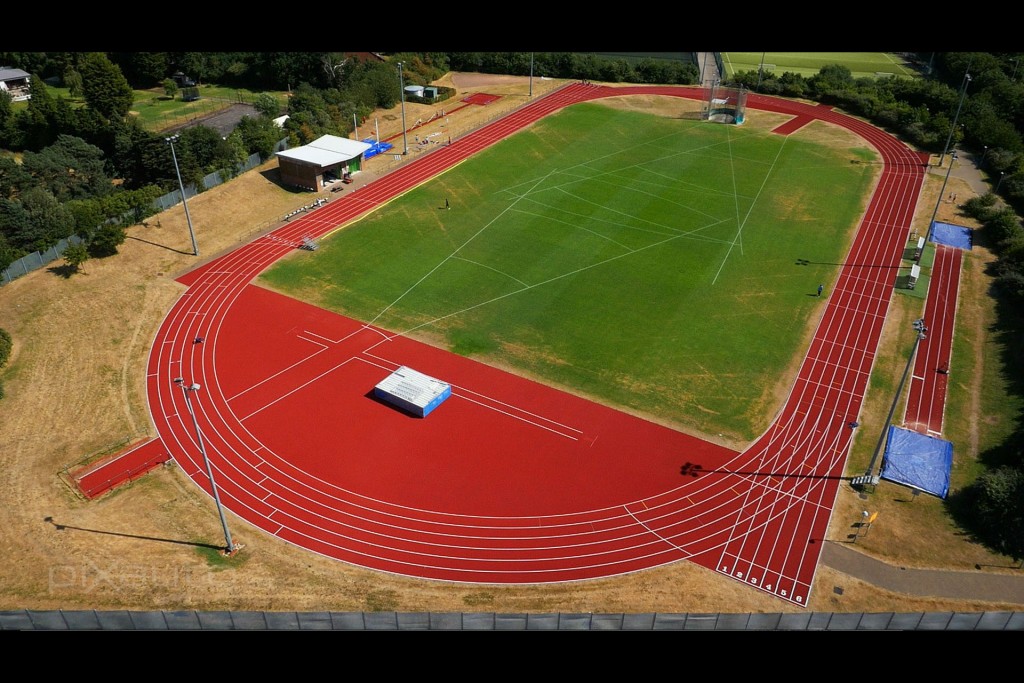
[918,460]
[951,235]
[376,148]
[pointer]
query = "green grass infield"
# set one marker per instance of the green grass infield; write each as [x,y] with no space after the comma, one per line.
[663,266]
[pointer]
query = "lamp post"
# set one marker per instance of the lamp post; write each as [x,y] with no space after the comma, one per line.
[188,219]
[1001,174]
[921,334]
[963,93]
[209,470]
[531,75]
[401,84]
[760,70]
[942,193]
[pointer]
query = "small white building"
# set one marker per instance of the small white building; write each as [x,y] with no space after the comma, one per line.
[16,83]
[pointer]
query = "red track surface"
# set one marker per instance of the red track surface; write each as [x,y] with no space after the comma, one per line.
[510,481]
[926,399]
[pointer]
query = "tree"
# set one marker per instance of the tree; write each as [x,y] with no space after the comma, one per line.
[6,108]
[105,240]
[333,64]
[199,66]
[146,69]
[75,255]
[170,88]
[70,168]
[997,502]
[13,178]
[36,121]
[257,135]
[48,220]
[105,88]
[73,81]
[16,228]
[5,347]
[202,150]
[266,104]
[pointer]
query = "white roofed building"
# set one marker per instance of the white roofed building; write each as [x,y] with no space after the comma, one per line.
[324,160]
[16,83]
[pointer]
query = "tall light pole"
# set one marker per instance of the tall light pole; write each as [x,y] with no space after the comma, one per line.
[531,74]
[170,141]
[921,330]
[187,389]
[401,84]
[963,93]
[1001,174]
[760,70]
[942,193]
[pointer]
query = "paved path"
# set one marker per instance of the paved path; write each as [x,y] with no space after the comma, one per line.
[958,585]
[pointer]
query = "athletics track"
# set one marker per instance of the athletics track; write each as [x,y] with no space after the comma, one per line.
[510,481]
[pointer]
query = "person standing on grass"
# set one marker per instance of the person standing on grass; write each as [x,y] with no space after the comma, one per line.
[821,288]
[446,204]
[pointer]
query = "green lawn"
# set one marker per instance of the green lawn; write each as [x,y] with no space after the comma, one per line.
[861,64]
[156,111]
[660,265]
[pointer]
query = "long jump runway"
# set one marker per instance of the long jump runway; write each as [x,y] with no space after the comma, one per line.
[509,481]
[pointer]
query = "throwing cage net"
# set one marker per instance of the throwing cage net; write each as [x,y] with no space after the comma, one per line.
[725,104]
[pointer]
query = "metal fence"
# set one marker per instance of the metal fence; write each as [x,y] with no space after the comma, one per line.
[38,259]
[190,620]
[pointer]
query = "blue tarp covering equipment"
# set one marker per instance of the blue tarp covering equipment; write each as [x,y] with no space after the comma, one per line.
[918,460]
[376,148]
[951,235]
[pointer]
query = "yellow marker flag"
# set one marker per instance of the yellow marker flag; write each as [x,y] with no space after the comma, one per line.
[872,518]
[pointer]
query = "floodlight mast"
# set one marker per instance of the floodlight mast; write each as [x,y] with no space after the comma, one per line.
[401,85]
[186,390]
[188,219]
[942,193]
[921,334]
[952,128]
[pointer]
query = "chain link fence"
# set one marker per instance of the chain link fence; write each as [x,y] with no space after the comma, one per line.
[38,259]
[189,620]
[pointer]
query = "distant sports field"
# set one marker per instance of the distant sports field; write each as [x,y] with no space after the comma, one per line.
[860,64]
[660,265]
